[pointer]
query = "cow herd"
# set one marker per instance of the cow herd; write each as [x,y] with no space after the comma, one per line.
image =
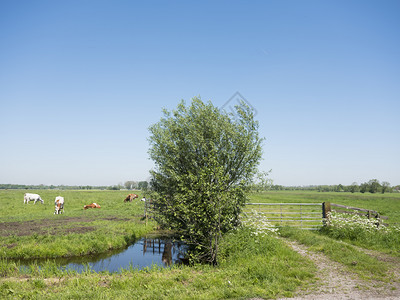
[59,201]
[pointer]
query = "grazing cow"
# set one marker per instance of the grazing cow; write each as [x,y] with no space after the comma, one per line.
[130,197]
[59,205]
[32,197]
[93,205]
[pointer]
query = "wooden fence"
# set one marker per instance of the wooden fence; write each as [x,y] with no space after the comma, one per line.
[328,207]
[148,209]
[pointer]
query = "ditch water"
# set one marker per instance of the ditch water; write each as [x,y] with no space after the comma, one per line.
[145,252]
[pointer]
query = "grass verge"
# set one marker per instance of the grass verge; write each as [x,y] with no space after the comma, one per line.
[365,266]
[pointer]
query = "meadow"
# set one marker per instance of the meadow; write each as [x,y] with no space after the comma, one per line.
[252,264]
[33,231]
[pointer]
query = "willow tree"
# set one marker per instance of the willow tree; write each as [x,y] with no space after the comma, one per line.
[204,162]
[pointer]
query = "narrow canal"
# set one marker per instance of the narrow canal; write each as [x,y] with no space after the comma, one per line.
[145,252]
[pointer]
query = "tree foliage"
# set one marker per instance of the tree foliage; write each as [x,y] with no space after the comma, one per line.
[374,185]
[130,185]
[205,160]
[143,185]
[262,182]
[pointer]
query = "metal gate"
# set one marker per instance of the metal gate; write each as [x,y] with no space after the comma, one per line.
[301,215]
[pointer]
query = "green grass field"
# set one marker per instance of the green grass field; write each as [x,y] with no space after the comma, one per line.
[33,231]
[12,208]
[250,266]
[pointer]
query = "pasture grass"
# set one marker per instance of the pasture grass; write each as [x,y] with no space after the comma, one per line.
[264,267]
[35,232]
[112,205]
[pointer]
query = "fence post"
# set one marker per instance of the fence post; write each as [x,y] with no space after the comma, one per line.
[301,217]
[326,209]
[378,220]
[145,210]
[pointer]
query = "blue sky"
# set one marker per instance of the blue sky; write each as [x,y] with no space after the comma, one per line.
[81,82]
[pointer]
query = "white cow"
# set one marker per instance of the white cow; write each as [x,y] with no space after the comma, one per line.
[32,197]
[59,205]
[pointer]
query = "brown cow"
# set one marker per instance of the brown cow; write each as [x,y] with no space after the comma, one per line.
[93,205]
[130,197]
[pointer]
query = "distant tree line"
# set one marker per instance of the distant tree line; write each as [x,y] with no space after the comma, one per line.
[49,187]
[136,185]
[262,183]
[372,186]
[133,185]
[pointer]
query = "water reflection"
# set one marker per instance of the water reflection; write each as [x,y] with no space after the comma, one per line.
[171,252]
[143,253]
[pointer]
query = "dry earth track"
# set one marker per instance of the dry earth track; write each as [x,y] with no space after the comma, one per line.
[334,281]
[51,226]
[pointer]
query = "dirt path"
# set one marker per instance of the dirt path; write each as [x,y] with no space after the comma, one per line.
[335,282]
[51,226]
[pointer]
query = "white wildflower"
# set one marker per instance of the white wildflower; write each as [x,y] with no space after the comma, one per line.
[258,222]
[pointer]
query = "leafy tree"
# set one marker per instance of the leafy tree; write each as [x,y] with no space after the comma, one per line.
[354,187]
[339,188]
[277,187]
[374,185]
[262,182]
[205,160]
[115,187]
[143,185]
[130,185]
[363,187]
[385,186]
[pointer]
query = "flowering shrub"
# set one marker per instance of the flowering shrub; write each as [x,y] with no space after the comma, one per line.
[364,231]
[259,224]
[355,223]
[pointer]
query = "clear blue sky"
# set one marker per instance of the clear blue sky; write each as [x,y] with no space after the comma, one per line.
[81,82]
